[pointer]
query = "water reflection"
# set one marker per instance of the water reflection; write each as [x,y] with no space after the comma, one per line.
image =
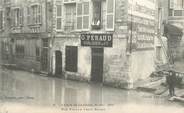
[24,87]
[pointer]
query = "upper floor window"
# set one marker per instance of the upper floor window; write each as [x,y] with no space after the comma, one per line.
[70,17]
[59,16]
[34,15]
[17,19]
[83,15]
[1,19]
[178,4]
[1,1]
[97,20]
[6,1]
[110,14]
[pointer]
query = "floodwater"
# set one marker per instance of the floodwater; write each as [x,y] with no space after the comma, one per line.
[24,92]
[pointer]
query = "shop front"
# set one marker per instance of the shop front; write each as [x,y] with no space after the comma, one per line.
[97,43]
[29,51]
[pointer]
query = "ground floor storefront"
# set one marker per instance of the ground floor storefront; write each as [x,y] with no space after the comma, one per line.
[106,61]
[28,51]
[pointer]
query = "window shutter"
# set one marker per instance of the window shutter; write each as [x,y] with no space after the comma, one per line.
[1,20]
[85,15]
[40,14]
[12,18]
[110,14]
[21,16]
[79,16]
[28,16]
[18,16]
[59,14]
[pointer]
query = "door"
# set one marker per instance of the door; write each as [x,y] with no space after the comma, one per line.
[44,60]
[45,56]
[97,65]
[58,63]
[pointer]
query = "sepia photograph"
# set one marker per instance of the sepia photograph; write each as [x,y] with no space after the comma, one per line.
[91,56]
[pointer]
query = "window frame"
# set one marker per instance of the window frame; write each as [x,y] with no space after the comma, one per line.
[71,63]
[72,17]
[2,20]
[112,13]
[83,15]
[59,17]
[34,14]
[18,16]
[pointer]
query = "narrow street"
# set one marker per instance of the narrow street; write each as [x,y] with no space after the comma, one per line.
[29,93]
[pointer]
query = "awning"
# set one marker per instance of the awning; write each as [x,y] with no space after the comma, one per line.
[172,30]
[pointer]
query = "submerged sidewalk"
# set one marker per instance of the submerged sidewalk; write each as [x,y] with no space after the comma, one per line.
[158,86]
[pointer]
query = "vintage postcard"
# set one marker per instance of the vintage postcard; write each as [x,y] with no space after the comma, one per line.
[91,56]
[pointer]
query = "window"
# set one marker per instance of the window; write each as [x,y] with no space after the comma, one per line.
[20,48]
[86,15]
[6,1]
[170,12]
[37,45]
[110,14]
[179,4]
[96,21]
[176,4]
[1,19]
[71,58]
[34,15]
[79,16]
[17,14]
[70,15]
[28,16]
[59,17]
[178,12]
[83,16]
[4,50]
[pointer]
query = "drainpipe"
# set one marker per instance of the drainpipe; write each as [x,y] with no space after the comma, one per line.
[129,56]
[52,35]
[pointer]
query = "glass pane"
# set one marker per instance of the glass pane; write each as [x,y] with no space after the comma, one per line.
[110,6]
[1,19]
[178,13]
[59,23]
[110,21]
[59,10]
[85,22]
[79,9]
[86,8]
[79,22]
[39,9]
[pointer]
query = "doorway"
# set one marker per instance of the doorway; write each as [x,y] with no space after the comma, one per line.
[58,63]
[45,55]
[97,65]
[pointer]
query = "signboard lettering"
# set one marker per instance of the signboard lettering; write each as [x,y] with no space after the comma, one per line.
[96,40]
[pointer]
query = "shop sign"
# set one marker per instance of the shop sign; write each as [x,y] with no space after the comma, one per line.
[96,40]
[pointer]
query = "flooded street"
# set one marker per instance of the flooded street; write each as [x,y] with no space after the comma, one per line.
[24,92]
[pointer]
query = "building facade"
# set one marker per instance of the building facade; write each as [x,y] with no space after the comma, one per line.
[173,16]
[106,41]
[24,34]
